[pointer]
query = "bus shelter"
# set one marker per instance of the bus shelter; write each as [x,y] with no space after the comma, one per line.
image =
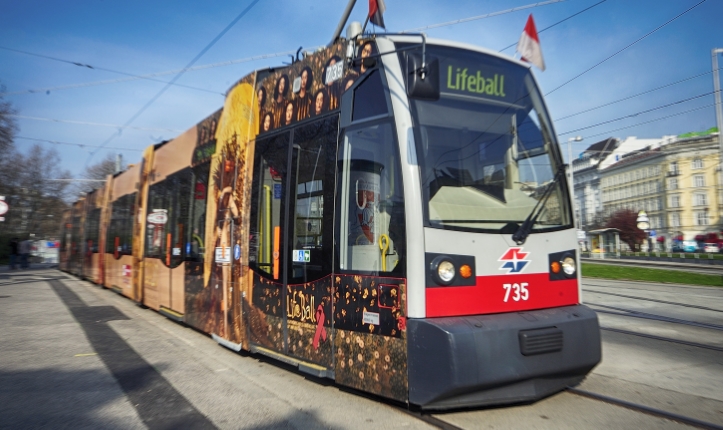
[604,243]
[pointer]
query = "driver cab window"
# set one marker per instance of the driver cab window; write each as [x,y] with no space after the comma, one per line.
[371,202]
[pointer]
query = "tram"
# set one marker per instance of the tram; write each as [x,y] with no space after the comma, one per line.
[390,212]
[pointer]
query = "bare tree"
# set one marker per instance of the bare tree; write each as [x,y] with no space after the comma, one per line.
[95,174]
[8,127]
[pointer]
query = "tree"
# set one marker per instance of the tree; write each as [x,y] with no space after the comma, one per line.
[8,127]
[626,221]
[95,175]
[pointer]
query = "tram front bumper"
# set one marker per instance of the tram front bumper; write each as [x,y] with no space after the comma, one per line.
[458,362]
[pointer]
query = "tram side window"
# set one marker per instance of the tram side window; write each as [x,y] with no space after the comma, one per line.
[196,231]
[167,217]
[267,197]
[120,231]
[371,202]
[92,226]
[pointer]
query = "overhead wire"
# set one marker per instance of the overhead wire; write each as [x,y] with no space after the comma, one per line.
[35,118]
[81,145]
[558,22]
[178,75]
[633,96]
[151,75]
[637,113]
[75,63]
[608,132]
[474,18]
[625,48]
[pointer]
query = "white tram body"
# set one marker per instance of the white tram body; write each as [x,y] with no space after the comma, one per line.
[513,331]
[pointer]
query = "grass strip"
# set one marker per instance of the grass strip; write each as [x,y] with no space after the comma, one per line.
[629,273]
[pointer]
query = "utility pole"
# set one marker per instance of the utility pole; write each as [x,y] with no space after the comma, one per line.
[719,123]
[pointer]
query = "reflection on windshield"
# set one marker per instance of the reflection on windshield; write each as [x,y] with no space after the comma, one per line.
[485,161]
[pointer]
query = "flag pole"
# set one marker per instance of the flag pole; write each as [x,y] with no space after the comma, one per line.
[364,28]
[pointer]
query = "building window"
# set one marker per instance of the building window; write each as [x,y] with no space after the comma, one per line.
[699,181]
[672,184]
[697,163]
[675,201]
[675,220]
[700,199]
[701,218]
[673,168]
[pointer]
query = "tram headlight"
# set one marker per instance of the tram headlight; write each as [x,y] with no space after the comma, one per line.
[446,271]
[569,266]
[449,270]
[443,270]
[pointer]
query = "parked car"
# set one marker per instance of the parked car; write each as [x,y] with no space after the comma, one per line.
[711,248]
[690,246]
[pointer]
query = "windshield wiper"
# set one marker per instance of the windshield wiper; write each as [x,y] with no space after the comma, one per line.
[521,234]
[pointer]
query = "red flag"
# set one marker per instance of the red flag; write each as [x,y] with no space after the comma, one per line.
[529,45]
[376,10]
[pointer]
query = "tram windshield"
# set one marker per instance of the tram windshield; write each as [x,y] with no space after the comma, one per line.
[485,148]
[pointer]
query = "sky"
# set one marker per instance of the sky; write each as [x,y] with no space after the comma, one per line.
[74,105]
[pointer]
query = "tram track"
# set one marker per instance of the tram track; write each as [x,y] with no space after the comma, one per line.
[685,288]
[645,315]
[657,301]
[646,409]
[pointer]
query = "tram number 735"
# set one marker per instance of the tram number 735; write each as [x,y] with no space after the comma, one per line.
[519,291]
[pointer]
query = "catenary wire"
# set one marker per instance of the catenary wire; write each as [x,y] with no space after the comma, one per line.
[609,132]
[474,18]
[178,75]
[151,75]
[35,118]
[632,115]
[82,145]
[75,63]
[558,22]
[634,95]
[625,48]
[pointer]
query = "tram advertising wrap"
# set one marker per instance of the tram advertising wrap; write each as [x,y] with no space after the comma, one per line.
[417,247]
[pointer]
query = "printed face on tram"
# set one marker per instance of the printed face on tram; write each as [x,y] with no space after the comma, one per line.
[304,81]
[319,104]
[267,122]
[289,113]
[365,53]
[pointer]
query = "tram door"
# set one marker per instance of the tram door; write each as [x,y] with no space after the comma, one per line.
[291,248]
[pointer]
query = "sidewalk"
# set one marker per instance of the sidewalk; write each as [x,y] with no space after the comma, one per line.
[74,355]
[50,374]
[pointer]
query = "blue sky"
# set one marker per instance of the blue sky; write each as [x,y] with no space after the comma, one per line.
[145,37]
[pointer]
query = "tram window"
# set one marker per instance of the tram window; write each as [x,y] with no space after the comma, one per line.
[168,217]
[121,226]
[268,191]
[196,231]
[91,234]
[369,97]
[313,158]
[371,202]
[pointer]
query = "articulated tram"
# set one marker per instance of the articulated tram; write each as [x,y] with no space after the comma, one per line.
[389,212]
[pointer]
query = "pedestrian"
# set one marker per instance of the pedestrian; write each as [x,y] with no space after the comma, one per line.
[24,248]
[13,252]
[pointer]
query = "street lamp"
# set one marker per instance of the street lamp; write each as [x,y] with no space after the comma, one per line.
[572,182]
[643,223]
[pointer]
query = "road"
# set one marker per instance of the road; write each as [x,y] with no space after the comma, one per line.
[73,354]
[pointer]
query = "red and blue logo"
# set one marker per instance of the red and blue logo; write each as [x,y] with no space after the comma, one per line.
[514,260]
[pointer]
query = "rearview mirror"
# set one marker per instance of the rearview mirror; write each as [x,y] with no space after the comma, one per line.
[422,80]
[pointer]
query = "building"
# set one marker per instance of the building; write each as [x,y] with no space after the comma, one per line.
[676,181]
[693,199]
